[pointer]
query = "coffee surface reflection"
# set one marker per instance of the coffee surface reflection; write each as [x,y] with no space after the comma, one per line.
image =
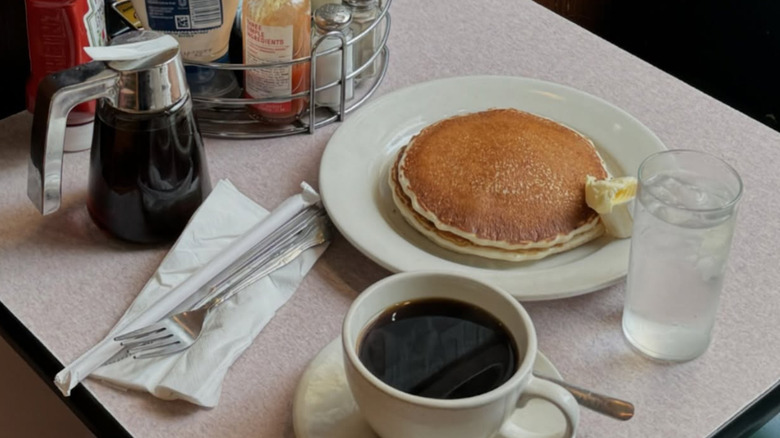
[439,348]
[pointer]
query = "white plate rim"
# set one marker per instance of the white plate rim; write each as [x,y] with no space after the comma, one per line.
[351,178]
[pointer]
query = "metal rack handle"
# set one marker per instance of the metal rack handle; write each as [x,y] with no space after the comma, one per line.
[227,117]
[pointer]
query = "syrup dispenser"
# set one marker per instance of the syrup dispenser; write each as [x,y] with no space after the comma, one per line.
[148,170]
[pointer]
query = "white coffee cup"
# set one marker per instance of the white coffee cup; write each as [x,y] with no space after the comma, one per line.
[396,414]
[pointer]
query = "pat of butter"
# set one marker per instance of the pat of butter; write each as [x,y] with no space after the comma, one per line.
[611,199]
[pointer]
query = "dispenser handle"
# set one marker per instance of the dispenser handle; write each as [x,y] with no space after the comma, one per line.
[58,93]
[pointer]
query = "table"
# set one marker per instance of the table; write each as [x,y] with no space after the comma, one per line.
[65,284]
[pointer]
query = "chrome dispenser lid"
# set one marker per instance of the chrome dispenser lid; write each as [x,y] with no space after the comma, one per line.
[332,16]
[148,84]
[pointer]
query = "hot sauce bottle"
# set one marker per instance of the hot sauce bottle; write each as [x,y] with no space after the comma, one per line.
[276,31]
[57,31]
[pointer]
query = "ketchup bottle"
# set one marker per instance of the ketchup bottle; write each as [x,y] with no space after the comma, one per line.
[57,31]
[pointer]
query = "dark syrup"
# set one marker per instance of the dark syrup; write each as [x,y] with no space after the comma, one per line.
[439,348]
[148,173]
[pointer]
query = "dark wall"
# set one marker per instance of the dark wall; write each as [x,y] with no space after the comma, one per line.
[13,52]
[726,48]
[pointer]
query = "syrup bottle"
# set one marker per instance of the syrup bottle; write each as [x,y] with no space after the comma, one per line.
[148,170]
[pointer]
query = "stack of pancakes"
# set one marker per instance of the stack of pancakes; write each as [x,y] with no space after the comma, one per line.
[502,184]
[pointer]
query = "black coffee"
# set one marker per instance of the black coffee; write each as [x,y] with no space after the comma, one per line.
[439,348]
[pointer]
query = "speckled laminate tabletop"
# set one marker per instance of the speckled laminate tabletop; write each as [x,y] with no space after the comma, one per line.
[68,283]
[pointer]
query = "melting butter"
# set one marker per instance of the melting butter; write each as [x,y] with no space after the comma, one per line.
[611,199]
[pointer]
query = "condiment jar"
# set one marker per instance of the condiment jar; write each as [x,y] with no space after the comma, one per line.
[364,13]
[276,31]
[331,22]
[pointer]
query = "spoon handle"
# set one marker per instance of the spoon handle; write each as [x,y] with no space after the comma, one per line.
[609,406]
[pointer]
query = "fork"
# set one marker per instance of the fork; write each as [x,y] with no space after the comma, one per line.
[180,331]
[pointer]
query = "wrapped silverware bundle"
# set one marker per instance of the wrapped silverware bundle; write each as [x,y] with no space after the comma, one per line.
[224,255]
[179,331]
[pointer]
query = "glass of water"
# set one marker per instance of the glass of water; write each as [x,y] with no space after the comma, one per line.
[684,216]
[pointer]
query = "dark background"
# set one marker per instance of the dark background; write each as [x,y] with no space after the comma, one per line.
[13,50]
[725,48]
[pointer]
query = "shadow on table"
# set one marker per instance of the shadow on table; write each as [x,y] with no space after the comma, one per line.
[348,271]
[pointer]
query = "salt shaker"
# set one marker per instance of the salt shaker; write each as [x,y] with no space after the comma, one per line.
[332,18]
[364,13]
[315,4]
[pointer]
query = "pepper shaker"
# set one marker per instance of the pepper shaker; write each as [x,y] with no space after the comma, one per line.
[364,13]
[332,18]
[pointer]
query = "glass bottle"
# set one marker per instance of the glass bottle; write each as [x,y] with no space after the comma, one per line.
[330,18]
[276,31]
[364,13]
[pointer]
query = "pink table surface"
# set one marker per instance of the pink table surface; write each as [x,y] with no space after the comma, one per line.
[68,283]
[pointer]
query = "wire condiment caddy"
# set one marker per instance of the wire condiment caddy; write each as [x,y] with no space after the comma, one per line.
[228,116]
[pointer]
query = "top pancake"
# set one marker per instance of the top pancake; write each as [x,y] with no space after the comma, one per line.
[501,178]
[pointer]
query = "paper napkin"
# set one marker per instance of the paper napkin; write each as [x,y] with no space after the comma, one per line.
[196,374]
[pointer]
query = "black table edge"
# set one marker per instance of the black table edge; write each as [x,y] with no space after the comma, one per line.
[81,402]
[753,416]
[101,423]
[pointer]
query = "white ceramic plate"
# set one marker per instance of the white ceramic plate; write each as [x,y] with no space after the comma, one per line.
[354,169]
[324,407]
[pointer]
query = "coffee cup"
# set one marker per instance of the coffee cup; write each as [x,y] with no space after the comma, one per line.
[431,354]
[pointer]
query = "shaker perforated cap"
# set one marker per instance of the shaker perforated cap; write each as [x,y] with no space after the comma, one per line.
[332,16]
[361,4]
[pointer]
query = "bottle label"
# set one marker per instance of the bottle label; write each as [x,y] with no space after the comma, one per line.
[184,15]
[127,11]
[268,44]
[95,23]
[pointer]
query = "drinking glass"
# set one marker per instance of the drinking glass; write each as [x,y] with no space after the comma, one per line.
[684,217]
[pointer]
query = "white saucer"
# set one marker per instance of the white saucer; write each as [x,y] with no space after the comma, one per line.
[324,407]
